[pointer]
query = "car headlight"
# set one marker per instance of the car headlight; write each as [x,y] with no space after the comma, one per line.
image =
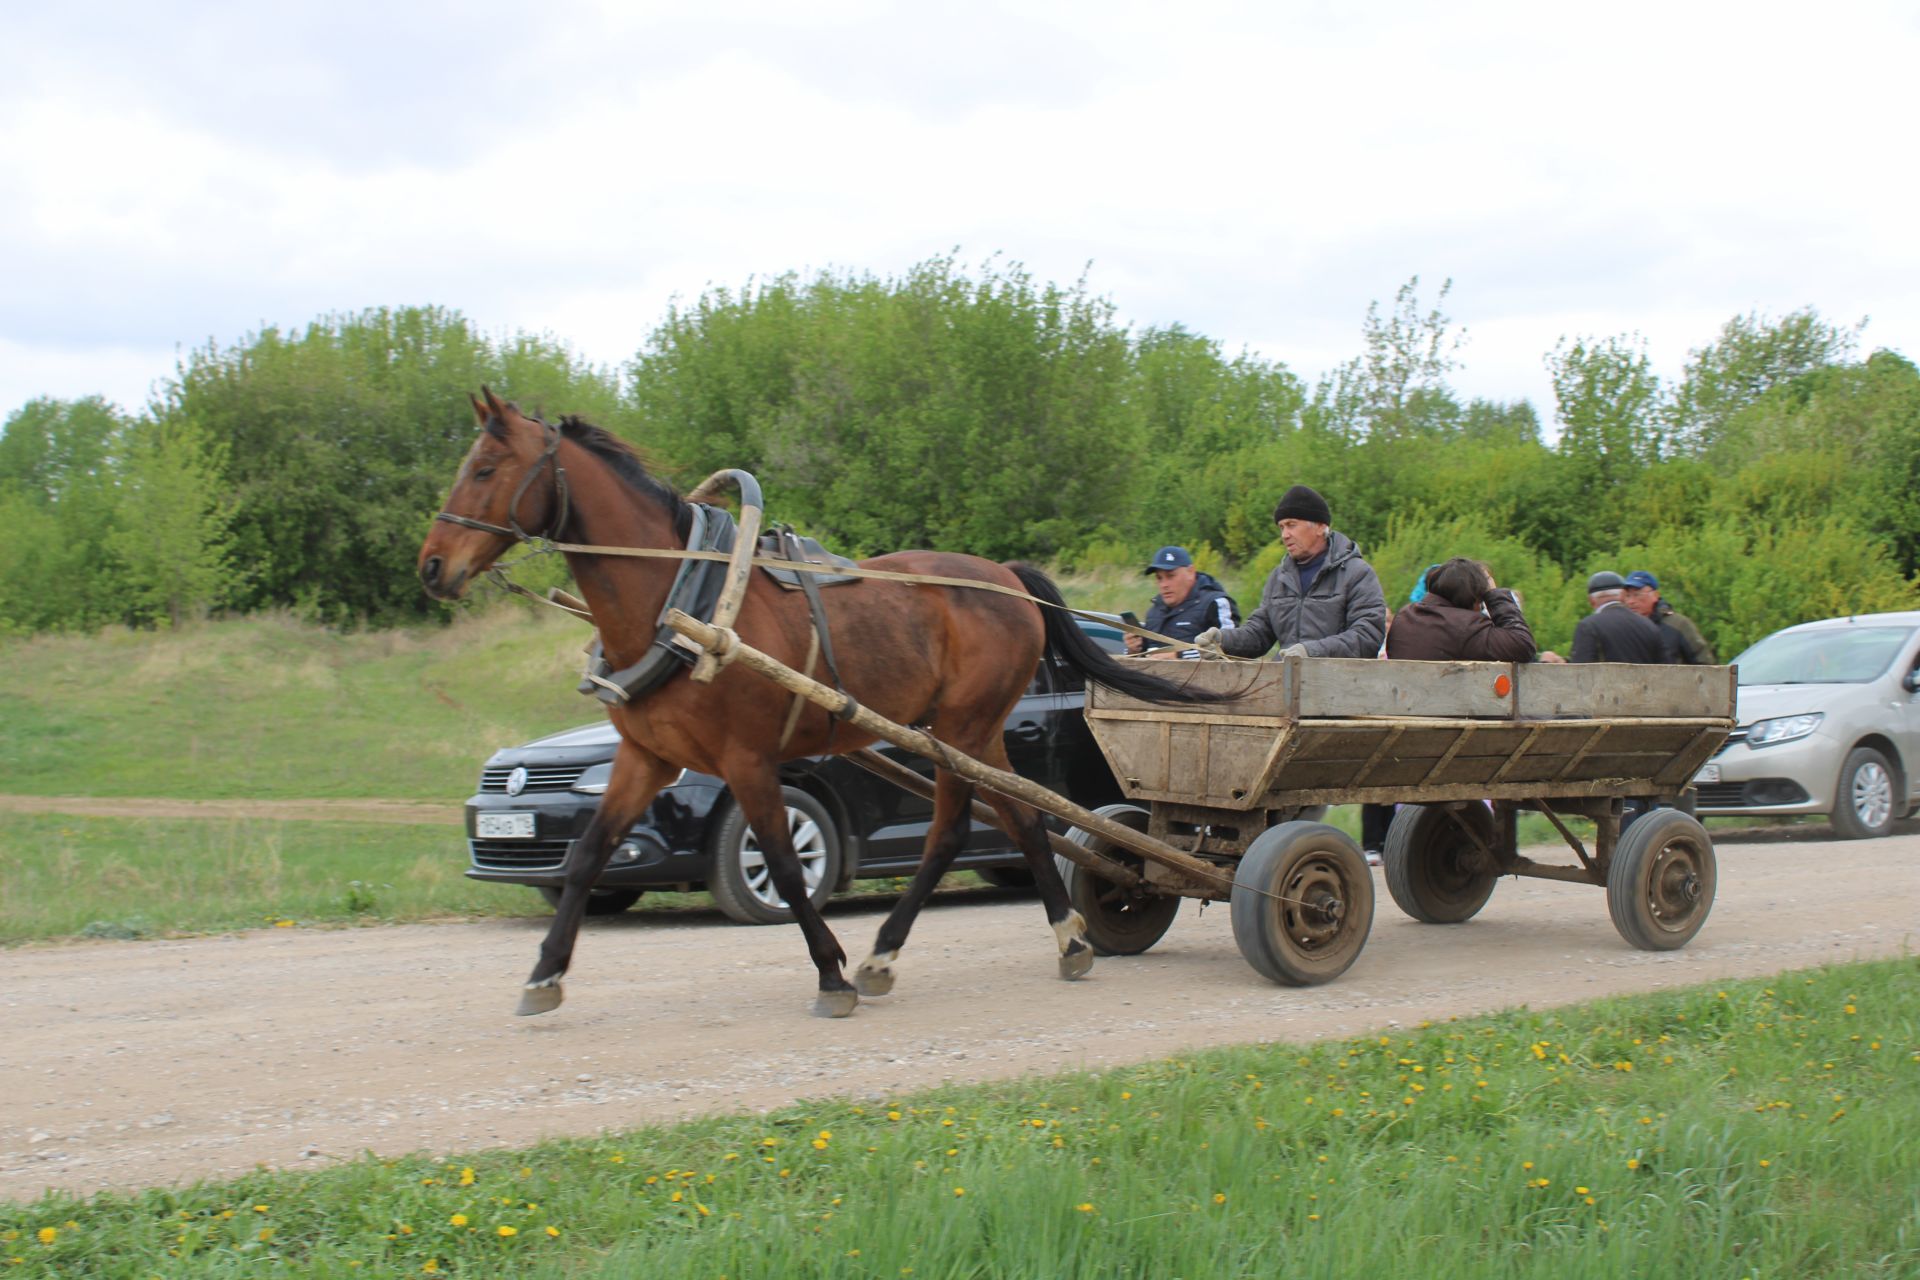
[1767,733]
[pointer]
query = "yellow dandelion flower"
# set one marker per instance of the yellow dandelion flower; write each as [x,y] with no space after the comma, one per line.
[959,1191]
[1219,1197]
[466,1177]
[1633,1162]
[507,1232]
[704,1211]
[1125,1097]
[819,1144]
[1313,1217]
[677,1197]
[458,1219]
[266,1234]
[47,1235]
[1085,1207]
[1526,1164]
[431,1266]
[260,1208]
[893,1115]
[1766,1164]
[1580,1191]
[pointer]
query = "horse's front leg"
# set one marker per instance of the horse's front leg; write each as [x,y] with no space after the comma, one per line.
[952,821]
[756,788]
[637,777]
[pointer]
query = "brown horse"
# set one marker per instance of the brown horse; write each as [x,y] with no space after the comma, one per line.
[951,659]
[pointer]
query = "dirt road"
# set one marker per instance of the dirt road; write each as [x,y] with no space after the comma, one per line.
[147,1063]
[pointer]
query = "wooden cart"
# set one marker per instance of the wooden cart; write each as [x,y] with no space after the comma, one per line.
[1220,791]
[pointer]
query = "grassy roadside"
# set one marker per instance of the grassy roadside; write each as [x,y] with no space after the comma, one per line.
[1759,1129]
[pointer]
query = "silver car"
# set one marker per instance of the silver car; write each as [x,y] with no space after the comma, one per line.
[1828,722]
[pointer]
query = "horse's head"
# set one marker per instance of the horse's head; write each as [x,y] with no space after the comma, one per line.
[510,487]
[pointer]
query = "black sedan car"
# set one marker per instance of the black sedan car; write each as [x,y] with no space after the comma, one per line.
[847,824]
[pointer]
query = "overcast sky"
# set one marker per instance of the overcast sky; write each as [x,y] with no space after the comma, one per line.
[175,174]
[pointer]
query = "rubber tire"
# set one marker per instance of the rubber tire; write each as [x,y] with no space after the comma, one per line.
[600,902]
[727,879]
[1659,853]
[1120,922]
[1020,877]
[1422,857]
[1846,819]
[1296,858]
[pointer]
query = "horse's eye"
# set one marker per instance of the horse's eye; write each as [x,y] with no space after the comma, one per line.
[483,473]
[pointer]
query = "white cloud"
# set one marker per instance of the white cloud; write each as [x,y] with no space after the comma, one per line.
[1258,174]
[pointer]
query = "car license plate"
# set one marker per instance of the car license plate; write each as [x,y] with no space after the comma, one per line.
[1708,773]
[503,826]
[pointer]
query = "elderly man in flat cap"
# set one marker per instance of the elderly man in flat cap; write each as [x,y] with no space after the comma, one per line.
[1323,601]
[1613,632]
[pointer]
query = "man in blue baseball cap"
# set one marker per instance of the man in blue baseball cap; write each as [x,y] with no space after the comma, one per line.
[1188,602]
[1643,597]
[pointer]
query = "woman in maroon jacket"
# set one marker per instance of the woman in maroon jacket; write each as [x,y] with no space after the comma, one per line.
[1447,623]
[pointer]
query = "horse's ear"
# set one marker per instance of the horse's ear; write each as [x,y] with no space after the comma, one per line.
[479,409]
[495,406]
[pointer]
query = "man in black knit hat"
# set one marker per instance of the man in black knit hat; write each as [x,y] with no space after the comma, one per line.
[1323,601]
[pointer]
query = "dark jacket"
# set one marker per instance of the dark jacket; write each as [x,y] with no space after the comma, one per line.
[1693,646]
[1207,605]
[1615,633]
[1436,630]
[1344,616]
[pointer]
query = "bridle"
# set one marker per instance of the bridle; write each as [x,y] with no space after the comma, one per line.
[560,497]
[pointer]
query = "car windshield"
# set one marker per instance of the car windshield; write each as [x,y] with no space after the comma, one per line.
[1831,655]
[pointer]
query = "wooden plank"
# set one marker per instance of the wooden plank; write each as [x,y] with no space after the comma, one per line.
[1360,775]
[1606,690]
[1573,762]
[1465,732]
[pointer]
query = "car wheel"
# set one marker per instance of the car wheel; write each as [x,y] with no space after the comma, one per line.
[1863,803]
[738,875]
[601,902]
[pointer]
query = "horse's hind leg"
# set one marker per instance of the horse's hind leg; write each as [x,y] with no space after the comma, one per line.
[1069,930]
[637,777]
[758,793]
[952,809]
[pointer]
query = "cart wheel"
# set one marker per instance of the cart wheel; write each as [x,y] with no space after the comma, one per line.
[1120,921]
[1302,903]
[1661,880]
[1435,872]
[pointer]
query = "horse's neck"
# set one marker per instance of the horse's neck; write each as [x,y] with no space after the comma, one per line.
[625,593]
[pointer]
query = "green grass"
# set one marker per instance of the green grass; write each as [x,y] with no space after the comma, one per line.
[125,878]
[1759,1129]
[267,707]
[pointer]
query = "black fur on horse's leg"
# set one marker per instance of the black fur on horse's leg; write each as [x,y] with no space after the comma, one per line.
[637,777]
[757,791]
[952,822]
[1069,930]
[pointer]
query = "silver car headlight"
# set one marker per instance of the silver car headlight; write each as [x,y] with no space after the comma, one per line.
[1767,733]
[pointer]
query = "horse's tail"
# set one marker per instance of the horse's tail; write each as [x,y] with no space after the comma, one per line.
[1067,641]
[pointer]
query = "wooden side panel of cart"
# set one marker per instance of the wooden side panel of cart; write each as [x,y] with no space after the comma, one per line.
[1432,731]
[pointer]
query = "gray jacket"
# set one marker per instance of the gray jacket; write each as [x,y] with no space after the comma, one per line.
[1345,616]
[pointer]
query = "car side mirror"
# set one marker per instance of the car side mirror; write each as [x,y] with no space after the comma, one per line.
[1912,682]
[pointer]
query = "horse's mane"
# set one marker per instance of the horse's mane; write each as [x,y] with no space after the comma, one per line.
[625,462]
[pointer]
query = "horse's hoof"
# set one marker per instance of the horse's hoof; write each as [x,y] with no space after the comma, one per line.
[874,977]
[835,1004]
[1076,961]
[540,997]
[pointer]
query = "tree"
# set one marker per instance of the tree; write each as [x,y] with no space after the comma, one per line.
[1398,386]
[172,541]
[1752,356]
[58,500]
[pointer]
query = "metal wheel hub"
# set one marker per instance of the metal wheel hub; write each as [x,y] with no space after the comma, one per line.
[809,845]
[1872,794]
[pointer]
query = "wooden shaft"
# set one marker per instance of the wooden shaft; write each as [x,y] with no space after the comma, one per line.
[1547,871]
[922,744]
[734,589]
[901,776]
